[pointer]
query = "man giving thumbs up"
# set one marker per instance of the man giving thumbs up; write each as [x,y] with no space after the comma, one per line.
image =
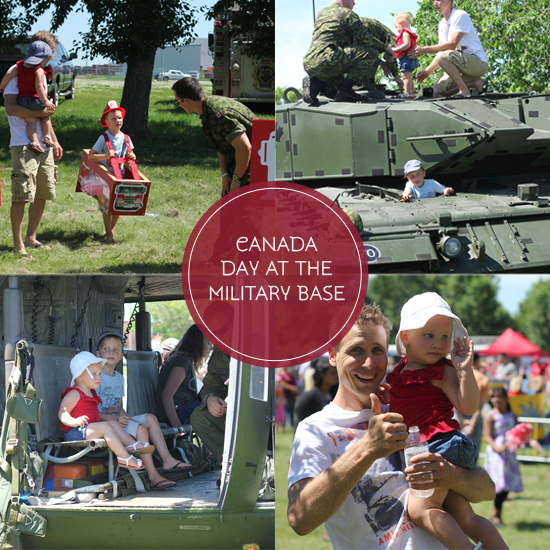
[346,469]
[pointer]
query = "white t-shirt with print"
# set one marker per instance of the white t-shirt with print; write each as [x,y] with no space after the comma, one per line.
[18,126]
[459,21]
[428,190]
[374,515]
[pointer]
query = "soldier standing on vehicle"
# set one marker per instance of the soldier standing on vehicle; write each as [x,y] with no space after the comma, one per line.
[341,52]
[227,124]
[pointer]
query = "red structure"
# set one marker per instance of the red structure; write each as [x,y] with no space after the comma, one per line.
[125,197]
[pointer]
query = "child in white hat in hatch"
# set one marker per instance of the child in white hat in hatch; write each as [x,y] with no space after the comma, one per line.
[79,413]
[425,388]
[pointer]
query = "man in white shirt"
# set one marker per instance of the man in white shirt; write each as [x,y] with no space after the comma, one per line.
[459,54]
[346,469]
[33,177]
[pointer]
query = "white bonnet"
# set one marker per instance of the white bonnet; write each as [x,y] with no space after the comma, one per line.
[420,309]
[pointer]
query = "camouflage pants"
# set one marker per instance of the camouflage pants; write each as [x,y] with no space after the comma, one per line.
[210,429]
[332,65]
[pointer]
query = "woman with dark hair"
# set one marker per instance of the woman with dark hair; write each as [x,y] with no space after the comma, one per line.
[325,379]
[500,461]
[176,396]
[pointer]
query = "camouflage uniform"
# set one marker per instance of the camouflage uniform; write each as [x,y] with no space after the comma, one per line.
[341,45]
[209,428]
[384,37]
[223,119]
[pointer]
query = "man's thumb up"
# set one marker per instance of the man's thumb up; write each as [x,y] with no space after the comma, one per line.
[376,407]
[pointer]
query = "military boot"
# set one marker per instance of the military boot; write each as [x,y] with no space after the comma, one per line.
[311,88]
[346,93]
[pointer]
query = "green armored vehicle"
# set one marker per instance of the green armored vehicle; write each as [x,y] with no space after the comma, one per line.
[493,150]
[46,320]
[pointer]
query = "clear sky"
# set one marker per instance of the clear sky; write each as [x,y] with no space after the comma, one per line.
[77,22]
[513,289]
[294,27]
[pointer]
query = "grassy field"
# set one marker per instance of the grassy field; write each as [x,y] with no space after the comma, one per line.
[527,525]
[185,181]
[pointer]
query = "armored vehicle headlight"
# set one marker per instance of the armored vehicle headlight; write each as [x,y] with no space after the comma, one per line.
[451,246]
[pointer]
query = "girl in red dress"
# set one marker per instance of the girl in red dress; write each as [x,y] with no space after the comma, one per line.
[425,388]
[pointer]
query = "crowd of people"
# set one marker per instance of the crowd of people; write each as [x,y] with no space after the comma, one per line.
[92,406]
[346,49]
[35,148]
[354,413]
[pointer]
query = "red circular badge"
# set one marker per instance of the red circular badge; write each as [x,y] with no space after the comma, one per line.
[274,274]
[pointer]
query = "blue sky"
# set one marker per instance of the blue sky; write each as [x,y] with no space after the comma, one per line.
[78,22]
[294,27]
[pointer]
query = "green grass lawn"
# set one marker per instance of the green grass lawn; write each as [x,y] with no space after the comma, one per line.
[527,525]
[185,182]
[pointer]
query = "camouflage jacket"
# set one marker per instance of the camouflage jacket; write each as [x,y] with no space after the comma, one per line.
[218,373]
[338,27]
[223,119]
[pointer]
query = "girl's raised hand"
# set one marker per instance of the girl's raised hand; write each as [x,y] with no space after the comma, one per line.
[462,354]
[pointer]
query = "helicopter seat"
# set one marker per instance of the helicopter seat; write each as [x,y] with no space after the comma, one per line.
[51,375]
[142,375]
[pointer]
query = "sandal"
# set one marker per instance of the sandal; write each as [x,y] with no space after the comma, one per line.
[121,462]
[406,96]
[48,141]
[36,147]
[144,450]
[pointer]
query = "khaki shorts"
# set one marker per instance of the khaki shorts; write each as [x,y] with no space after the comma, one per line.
[133,424]
[469,65]
[34,175]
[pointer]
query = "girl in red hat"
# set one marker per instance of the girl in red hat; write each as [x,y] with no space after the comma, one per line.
[112,143]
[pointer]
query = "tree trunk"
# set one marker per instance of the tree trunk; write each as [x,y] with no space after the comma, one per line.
[136,93]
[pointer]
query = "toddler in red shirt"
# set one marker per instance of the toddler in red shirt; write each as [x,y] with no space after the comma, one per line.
[32,91]
[425,388]
[406,41]
[79,413]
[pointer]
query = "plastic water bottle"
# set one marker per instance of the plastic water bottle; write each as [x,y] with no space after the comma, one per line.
[416,446]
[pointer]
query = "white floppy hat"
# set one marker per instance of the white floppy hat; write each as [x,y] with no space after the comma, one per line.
[81,361]
[420,309]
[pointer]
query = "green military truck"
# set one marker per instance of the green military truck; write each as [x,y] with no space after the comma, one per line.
[49,319]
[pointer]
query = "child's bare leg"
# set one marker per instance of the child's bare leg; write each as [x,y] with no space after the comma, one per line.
[109,221]
[478,528]
[408,83]
[47,130]
[155,433]
[31,129]
[155,479]
[428,514]
[106,430]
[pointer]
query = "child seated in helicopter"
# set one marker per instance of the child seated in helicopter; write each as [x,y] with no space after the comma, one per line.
[419,188]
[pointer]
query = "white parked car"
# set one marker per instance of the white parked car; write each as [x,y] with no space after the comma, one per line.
[171,75]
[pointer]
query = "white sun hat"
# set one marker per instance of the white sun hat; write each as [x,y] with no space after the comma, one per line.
[81,361]
[420,309]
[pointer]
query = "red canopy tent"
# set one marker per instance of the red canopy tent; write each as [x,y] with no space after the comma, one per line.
[513,344]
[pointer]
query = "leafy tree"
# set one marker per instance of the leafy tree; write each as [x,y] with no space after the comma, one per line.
[127,31]
[170,319]
[533,318]
[11,24]
[252,24]
[472,298]
[515,36]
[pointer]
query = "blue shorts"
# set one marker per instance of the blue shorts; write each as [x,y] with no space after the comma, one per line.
[76,434]
[407,65]
[456,448]
[30,103]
